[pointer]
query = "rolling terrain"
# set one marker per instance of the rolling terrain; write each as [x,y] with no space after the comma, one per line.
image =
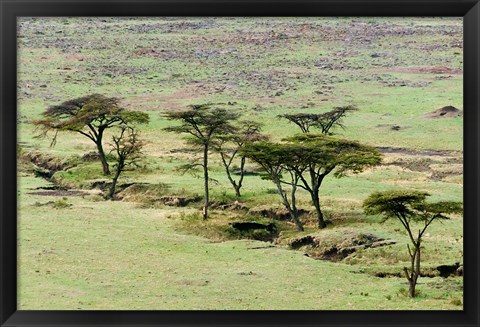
[150,249]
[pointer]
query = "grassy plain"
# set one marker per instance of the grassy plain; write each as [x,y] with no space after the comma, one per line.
[77,251]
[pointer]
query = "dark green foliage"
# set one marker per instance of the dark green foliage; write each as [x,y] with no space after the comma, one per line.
[306,159]
[410,207]
[203,124]
[317,155]
[324,153]
[279,160]
[321,155]
[90,116]
[324,122]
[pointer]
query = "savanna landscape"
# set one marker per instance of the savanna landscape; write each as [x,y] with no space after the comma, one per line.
[195,163]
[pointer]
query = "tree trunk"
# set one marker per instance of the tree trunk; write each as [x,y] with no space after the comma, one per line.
[296,221]
[295,210]
[236,186]
[242,174]
[232,181]
[416,273]
[316,204]
[205,176]
[103,157]
[411,289]
[111,191]
[413,275]
[237,190]
[292,212]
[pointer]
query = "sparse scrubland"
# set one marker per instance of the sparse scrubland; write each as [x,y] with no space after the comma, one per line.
[151,246]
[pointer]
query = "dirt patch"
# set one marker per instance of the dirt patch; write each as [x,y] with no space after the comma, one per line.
[442,153]
[101,184]
[428,70]
[335,254]
[317,248]
[91,156]
[59,193]
[303,241]
[178,100]
[360,242]
[420,165]
[154,194]
[104,184]
[50,188]
[435,169]
[44,165]
[75,57]
[445,112]
[274,213]
[178,201]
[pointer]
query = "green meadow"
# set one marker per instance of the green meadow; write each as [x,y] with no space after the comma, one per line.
[78,251]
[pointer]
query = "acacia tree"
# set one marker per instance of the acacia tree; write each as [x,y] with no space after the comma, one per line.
[318,155]
[279,160]
[89,116]
[323,122]
[203,124]
[229,145]
[409,208]
[127,150]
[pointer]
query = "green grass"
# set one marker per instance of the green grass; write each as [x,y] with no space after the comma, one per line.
[80,252]
[67,261]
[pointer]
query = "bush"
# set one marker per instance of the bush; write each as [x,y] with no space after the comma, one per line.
[61,204]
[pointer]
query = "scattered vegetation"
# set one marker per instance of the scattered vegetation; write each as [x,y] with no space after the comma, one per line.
[229,145]
[323,122]
[242,75]
[89,116]
[410,207]
[202,124]
[127,148]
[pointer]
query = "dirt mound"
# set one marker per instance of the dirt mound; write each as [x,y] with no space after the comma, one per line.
[154,194]
[339,249]
[178,201]
[45,165]
[138,191]
[445,112]
[303,241]
[91,156]
[274,213]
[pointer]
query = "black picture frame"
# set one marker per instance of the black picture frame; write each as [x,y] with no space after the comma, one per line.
[10,10]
